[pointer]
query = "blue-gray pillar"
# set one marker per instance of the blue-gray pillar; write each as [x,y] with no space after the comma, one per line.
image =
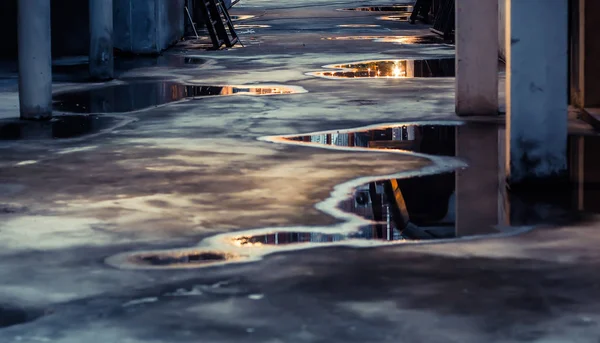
[35,59]
[536,90]
[101,39]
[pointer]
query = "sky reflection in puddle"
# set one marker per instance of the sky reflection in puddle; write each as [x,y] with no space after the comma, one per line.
[386,69]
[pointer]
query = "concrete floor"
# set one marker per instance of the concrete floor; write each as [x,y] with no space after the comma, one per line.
[169,177]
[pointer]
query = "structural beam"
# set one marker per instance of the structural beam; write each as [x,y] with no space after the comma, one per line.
[476,57]
[35,59]
[101,39]
[536,88]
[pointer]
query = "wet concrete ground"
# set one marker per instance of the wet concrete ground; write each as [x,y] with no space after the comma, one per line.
[197,175]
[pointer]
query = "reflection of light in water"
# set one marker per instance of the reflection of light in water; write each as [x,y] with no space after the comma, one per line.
[396,71]
[394,17]
[241,17]
[251,26]
[392,69]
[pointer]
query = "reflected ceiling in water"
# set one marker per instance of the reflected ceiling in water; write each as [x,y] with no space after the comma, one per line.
[394,69]
[60,127]
[138,96]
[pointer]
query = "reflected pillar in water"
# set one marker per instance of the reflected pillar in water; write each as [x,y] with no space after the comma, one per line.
[101,39]
[476,57]
[477,187]
[35,59]
[536,82]
[585,172]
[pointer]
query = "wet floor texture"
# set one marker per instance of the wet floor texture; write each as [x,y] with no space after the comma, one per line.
[397,69]
[77,69]
[459,257]
[447,204]
[138,96]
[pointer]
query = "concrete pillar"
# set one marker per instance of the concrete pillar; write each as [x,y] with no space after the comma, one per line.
[101,39]
[477,187]
[536,90]
[35,59]
[476,57]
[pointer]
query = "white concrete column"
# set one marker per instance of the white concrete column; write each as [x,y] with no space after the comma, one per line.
[476,57]
[35,59]
[101,39]
[536,90]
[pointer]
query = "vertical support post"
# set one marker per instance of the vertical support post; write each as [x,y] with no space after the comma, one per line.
[101,39]
[537,86]
[476,57]
[35,60]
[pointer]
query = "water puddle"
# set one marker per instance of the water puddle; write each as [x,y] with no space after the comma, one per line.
[11,316]
[392,8]
[241,17]
[408,40]
[138,96]
[357,25]
[251,26]
[188,259]
[462,196]
[394,69]
[401,17]
[59,127]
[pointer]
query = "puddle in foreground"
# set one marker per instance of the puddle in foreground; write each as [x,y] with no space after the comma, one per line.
[60,127]
[396,69]
[464,203]
[138,96]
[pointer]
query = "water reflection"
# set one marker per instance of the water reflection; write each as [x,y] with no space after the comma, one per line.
[61,127]
[395,17]
[137,96]
[392,8]
[180,259]
[357,25]
[467,202]
[427,39]
[396,69]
